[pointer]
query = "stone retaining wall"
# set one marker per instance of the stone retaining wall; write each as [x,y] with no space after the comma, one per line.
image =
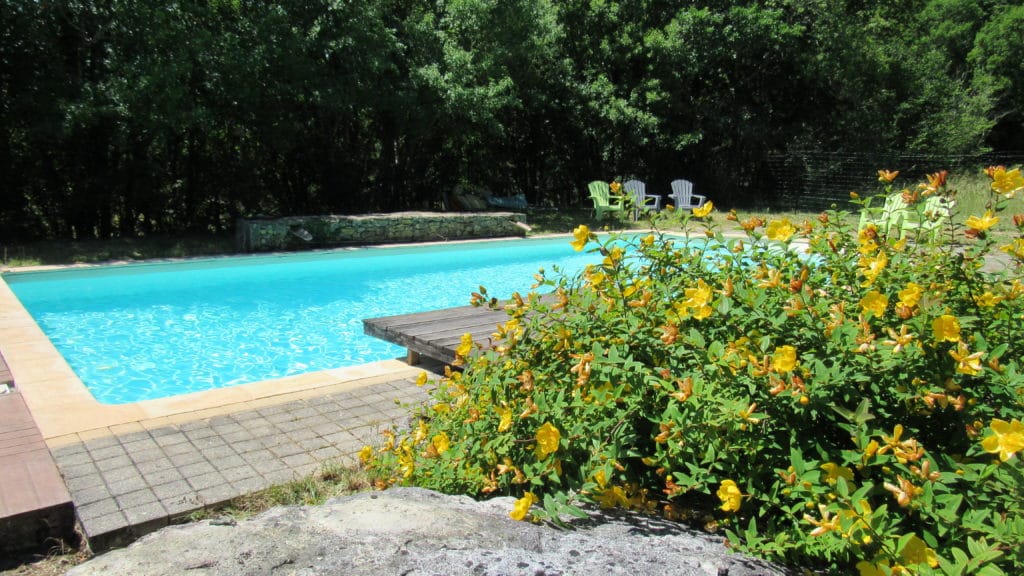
[333,230]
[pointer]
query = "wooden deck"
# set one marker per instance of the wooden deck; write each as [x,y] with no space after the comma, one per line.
[34,502]
[437,333]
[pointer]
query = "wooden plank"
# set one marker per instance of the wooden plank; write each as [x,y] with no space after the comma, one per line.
[436,334]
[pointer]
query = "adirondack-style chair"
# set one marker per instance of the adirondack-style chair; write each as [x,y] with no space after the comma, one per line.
[685,199]
[642,201]
[927,219]
[604,201]
[886,217]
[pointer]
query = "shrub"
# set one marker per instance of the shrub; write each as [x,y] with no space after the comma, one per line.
[828,397]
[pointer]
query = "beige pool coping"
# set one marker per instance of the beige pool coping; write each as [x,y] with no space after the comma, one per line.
[66,412]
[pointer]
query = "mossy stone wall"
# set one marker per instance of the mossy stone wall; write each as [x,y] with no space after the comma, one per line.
[261,234]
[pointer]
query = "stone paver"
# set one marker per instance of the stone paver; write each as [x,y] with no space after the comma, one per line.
[126,485]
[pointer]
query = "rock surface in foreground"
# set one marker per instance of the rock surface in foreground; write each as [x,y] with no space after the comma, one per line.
[415,531]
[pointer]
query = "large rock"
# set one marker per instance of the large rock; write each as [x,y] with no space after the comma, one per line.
[415,531]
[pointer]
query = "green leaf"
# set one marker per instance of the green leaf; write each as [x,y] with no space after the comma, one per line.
[697,339]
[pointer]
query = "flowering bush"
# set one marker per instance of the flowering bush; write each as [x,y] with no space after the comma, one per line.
[827,397]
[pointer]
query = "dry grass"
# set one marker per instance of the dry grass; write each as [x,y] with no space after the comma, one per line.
[52,562]
[333,480]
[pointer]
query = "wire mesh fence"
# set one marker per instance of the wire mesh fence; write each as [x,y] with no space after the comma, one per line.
[809,180]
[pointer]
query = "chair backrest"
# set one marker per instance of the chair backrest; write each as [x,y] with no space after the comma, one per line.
[682,191]
[599,192]
[893,208]
[937,210]
[636,188]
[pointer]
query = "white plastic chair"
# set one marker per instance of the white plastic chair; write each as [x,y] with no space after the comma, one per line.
[642,201]
[685,199]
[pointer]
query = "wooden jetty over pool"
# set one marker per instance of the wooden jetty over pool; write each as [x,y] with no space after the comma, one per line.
[437,333]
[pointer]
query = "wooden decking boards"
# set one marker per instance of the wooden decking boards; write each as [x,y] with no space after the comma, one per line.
[437,333]
[34,502]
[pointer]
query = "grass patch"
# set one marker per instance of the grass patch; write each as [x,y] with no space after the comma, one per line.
[331,481]
[55,252]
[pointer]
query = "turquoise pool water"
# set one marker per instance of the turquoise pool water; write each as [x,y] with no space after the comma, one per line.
[146,331]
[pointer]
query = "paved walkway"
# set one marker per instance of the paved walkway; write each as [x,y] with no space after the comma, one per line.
[128,484]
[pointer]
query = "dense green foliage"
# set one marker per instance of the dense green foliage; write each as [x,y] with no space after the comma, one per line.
[125,118]
[829,398]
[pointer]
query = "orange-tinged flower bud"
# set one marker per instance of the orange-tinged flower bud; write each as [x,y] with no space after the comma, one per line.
[887,175]
[938,179]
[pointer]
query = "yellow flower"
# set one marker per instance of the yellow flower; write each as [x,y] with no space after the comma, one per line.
[899,340]
[905,492]
[421,432]
[465,345]
[910,295]
[780,230]
[946,328]
[982,223]
[594,275]
[547,440]
[614,497]
[827,523]
[614,257]
[366,454]
[421,379]
[506,419]
[699,296]
[887,175]
[784,359]
[730,496]
[406,460]
[703,210]
[988,299]
[615,187]
[1007,438]
[696,301]
[966,363]
[865,568]
[874,302]
[915,551]
[1015,248]
[833,472]
[441,443]
[582,235]
[1007,182]
[522,506]
[702,312]
[872,266]
[748,412]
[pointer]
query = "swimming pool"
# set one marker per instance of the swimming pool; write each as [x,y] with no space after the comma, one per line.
[145,331]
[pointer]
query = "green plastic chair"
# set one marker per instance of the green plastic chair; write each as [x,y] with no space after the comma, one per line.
[927,219]
[886,217]
[604,202]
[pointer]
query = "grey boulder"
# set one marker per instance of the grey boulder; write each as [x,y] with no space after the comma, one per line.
[411,531]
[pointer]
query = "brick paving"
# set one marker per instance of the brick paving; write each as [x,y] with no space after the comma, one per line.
[126,485]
